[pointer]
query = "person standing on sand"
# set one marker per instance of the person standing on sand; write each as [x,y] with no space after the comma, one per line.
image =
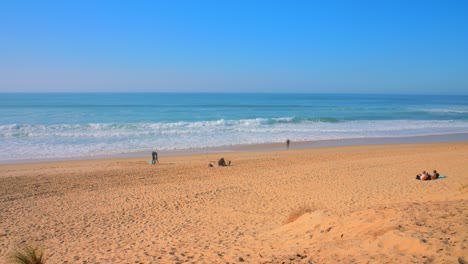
[287,143]
[155,156]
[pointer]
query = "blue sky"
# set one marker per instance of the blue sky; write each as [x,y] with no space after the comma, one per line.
[234,46]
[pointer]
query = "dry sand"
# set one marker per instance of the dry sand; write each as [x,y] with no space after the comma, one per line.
[346,204]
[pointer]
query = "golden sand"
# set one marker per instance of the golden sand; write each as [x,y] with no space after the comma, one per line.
[347,204]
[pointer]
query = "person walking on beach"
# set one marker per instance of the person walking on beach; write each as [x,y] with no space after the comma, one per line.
[287,143]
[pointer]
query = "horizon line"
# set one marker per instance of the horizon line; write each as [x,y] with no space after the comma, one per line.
[220,92]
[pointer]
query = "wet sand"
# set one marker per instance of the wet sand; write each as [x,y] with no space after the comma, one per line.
[324,205]
[446,138]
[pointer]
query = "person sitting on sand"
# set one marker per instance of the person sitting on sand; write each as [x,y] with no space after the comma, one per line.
[435,175]
[222,162]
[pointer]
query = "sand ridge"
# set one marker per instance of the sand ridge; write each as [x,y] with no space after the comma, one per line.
[361,204]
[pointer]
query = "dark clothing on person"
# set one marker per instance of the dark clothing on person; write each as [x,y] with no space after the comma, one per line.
[155,156]
[222,162]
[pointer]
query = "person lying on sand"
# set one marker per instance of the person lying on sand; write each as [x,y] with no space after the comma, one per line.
[424,176]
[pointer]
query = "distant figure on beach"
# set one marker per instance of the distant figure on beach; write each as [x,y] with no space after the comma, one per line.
[287,143]
[424,176]
[155,157]
[222,162]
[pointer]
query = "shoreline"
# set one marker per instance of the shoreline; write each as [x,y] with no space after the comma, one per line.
[264,147]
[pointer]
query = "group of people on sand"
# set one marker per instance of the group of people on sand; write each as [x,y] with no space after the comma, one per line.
[221,163]
[425,176]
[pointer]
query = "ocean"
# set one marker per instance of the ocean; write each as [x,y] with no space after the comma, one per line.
[80,125]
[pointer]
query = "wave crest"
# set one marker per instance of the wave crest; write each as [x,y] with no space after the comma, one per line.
[74,140]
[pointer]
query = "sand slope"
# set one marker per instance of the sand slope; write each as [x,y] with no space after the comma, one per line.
[347,204]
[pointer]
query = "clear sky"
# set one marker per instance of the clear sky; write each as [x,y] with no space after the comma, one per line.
[234,46]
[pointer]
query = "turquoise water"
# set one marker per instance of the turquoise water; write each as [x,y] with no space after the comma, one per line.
[41,126]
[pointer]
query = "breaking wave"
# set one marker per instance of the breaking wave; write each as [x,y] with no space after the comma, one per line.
[20,141]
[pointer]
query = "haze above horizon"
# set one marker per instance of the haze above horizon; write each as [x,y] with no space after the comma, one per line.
[416,47]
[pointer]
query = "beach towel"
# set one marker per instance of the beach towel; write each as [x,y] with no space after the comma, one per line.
[151,162]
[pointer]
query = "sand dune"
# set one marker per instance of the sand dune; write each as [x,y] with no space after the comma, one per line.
[347,204]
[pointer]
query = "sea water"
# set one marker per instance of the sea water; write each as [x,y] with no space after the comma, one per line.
[74,125]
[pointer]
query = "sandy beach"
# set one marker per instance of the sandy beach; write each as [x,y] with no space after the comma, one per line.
[354,204]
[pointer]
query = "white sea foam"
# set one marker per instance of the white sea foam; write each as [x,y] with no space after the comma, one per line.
[446,110]
[75,140]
